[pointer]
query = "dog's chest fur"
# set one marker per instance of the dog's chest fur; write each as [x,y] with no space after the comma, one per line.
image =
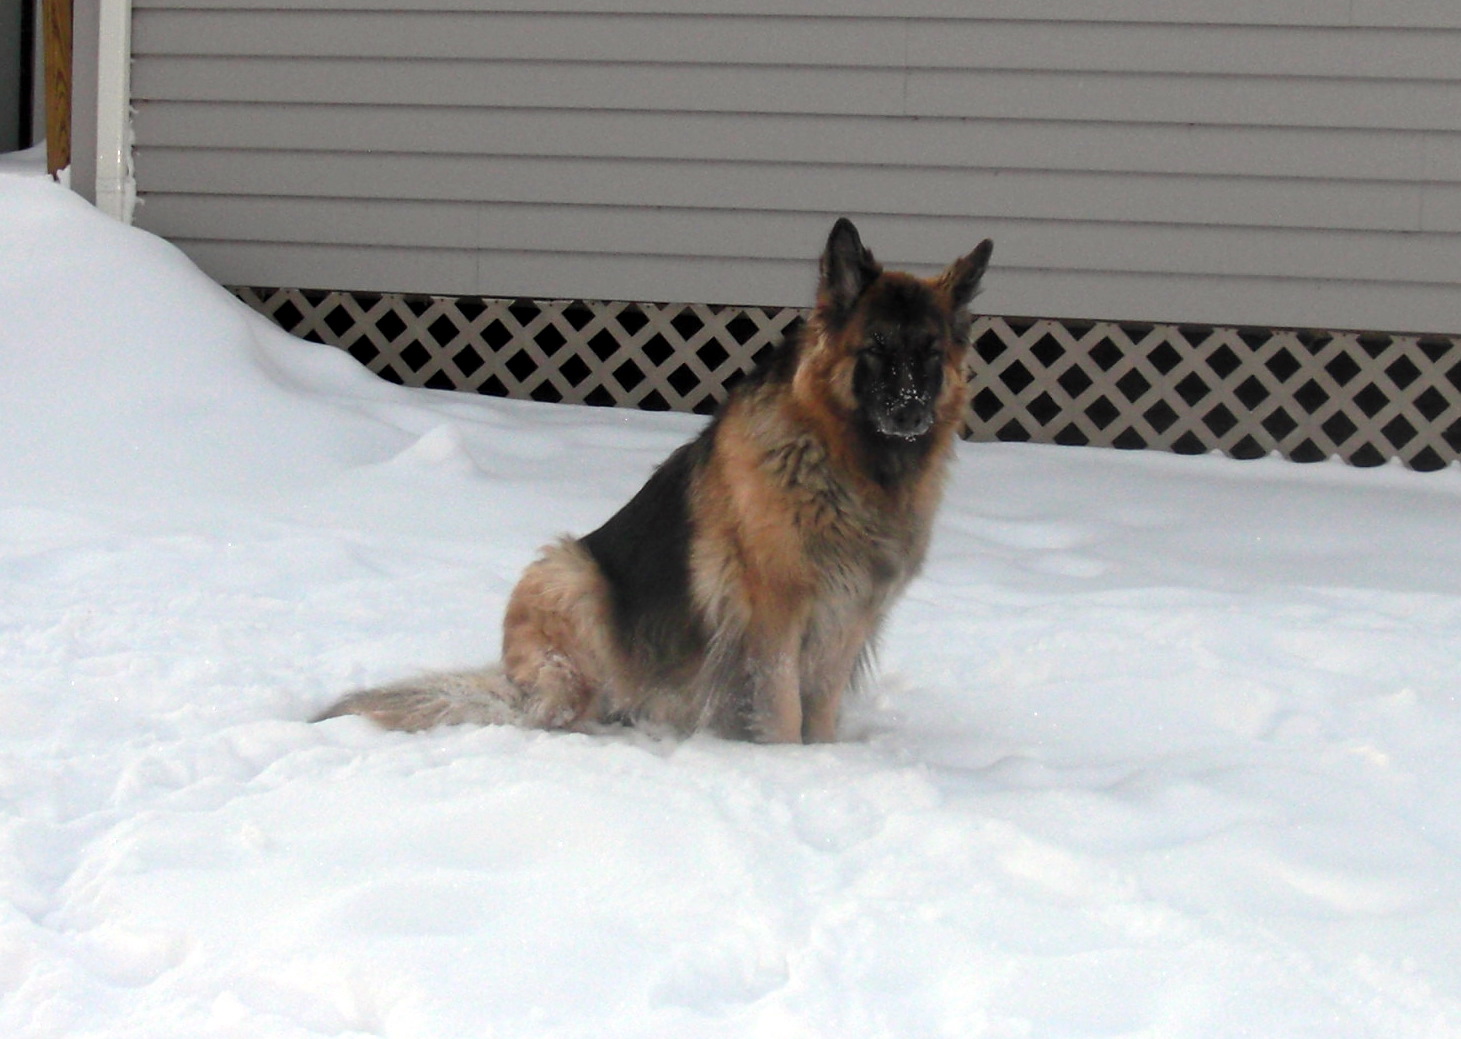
[841,534]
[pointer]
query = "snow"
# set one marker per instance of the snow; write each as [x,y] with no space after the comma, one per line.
[1161,746]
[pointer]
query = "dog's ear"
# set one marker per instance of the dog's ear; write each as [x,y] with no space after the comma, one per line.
[961,279]
[847,268]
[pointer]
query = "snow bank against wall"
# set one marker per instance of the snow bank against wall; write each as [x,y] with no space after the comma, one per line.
[1161,746]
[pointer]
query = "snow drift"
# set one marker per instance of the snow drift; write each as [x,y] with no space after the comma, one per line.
[1161,746]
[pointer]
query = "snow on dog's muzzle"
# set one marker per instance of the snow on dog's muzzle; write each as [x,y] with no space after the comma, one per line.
[904,398]
[907,417]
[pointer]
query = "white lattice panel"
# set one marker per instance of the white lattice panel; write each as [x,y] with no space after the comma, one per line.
[1364,397]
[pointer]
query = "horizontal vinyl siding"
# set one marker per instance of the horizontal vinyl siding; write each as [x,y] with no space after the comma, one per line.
[1126,200]
[756,236]
[1411,14]
[1365,53]
[1289,163]
[1230,101]
[725,138]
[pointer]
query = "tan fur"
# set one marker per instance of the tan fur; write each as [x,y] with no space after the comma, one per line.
[796,550]
[483,697]
[555,637]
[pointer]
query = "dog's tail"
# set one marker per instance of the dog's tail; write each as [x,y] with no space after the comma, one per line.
[486,697]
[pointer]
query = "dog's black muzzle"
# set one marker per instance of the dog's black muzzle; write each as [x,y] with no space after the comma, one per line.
[902,396]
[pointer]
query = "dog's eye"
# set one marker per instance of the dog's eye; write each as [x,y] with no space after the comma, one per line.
[874,362]
[933,361]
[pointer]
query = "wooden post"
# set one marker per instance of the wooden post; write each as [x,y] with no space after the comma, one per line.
[57,17]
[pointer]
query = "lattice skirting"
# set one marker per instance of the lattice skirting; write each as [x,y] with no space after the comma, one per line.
[1367,398]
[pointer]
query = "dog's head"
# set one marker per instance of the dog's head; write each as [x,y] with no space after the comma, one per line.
[894,344]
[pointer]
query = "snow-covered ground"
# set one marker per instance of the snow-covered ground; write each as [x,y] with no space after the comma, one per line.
[1162,746]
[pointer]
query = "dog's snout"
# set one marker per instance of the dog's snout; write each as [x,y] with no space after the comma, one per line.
[909,419]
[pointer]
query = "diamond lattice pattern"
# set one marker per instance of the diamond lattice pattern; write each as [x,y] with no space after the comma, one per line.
[1366,398]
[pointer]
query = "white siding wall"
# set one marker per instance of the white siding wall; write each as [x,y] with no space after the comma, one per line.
[1288,162]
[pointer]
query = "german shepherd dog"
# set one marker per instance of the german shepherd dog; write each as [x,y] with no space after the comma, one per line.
[742,588]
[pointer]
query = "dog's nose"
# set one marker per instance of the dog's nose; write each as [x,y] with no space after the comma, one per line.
[909,419]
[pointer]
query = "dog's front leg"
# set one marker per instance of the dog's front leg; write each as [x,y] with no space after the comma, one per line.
[776,702]
[830,664]
[753,686]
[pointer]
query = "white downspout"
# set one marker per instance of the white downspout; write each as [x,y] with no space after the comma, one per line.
[116,190]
